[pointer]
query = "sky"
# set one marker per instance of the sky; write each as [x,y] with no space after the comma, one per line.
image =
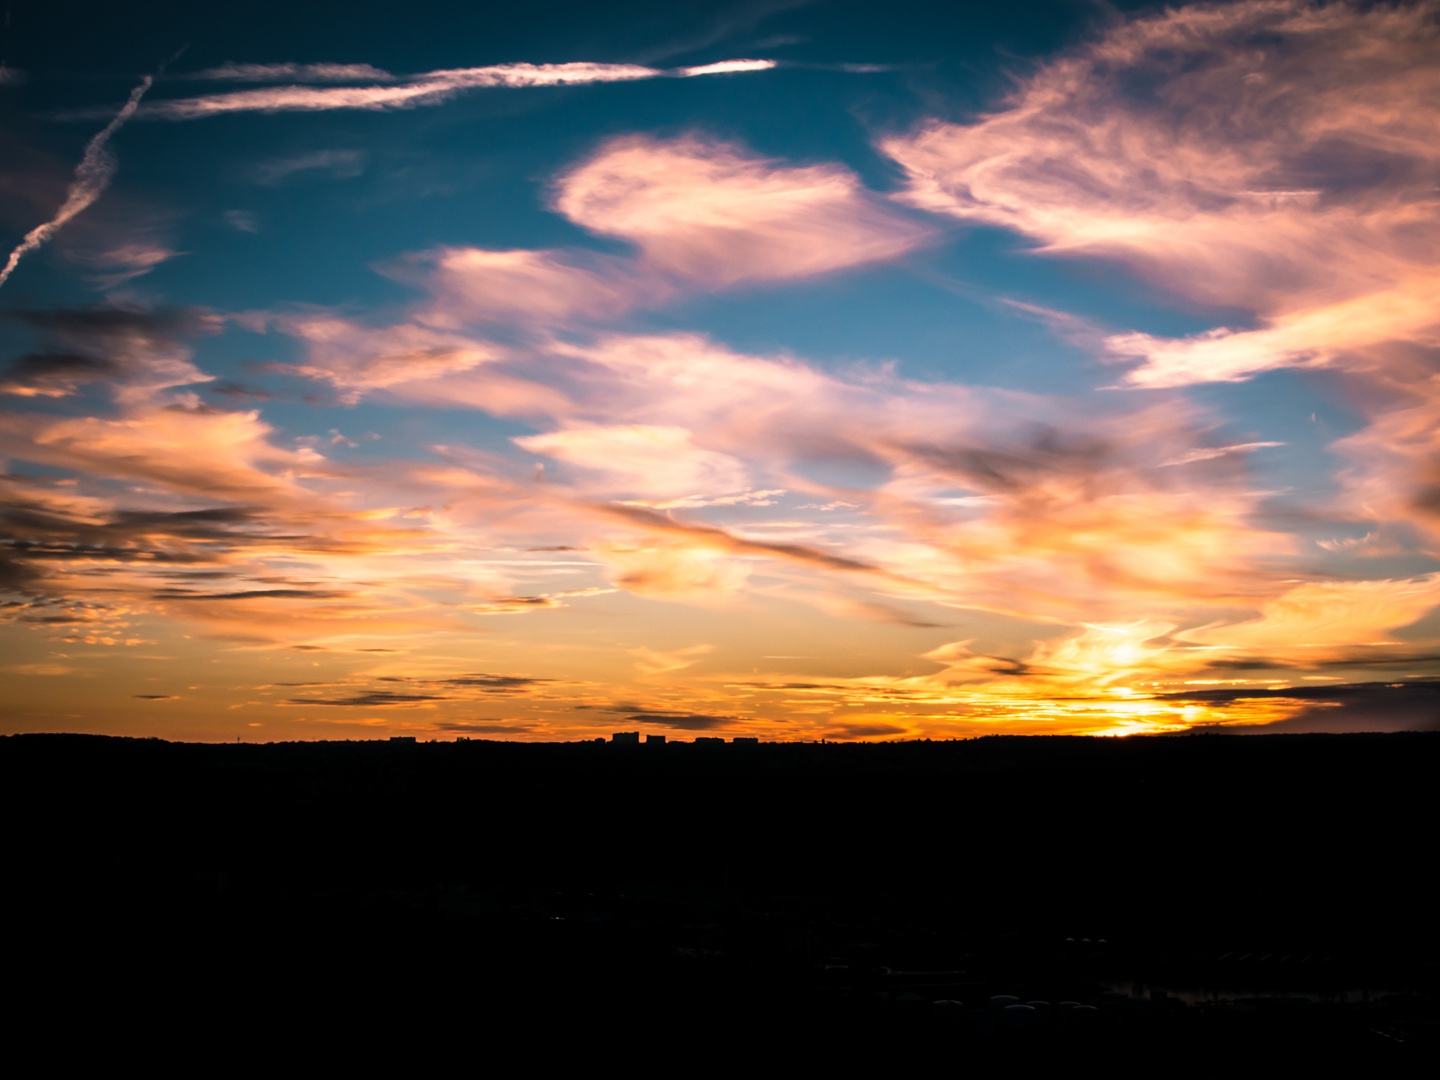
[802,370]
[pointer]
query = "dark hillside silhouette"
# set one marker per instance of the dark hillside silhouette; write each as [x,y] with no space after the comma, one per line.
[1216,889]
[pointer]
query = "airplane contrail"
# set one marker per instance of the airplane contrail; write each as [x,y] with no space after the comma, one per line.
[92,177]
[387,91]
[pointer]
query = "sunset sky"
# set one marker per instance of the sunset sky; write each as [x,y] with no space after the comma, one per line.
[844,370]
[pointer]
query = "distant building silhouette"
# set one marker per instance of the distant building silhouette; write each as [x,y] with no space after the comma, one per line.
[654,738]
[626,737]
[402,738]
[709,740]
[746,740]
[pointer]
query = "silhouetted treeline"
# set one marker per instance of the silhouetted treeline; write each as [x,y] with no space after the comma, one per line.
[1214,888]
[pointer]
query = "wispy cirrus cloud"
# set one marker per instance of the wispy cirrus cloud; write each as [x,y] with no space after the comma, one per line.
[92,176]
[242,220]
[357,359]
[297,73]
[652,459]
[1319,620]
[399,92]
[336,164]
[1273,155]
[115,266]
[1270,155]
[1001,503]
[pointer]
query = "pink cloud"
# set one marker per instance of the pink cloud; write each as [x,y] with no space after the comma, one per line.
[1394,462]
[702,215]
[125,263]
[356,359]
[473,285]
[641,459]
[1309,621]
[181,446]
[707,212]
[1282,159]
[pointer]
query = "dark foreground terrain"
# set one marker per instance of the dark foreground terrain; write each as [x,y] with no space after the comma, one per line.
[1165,898]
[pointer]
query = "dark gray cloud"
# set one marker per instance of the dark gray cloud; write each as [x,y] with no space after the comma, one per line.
[1354,656]
[374,699]
[1019,469]
[872,691]
[484,727]
[237,391]
[1412,705]
[503,604]
[255,594]
[36,528]
[682,721]
[102,343]
[803,553]
[495,684]
[60,372]
[15,576]
[864,731]
[54,611]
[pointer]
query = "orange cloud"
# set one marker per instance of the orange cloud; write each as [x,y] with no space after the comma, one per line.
[1394,475]
[671,571]
[1327,615]
[183,446]
[1084,520]
[1000,502]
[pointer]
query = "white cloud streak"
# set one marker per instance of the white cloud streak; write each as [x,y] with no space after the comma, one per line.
[388,92]
[725,67]
[92,177]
